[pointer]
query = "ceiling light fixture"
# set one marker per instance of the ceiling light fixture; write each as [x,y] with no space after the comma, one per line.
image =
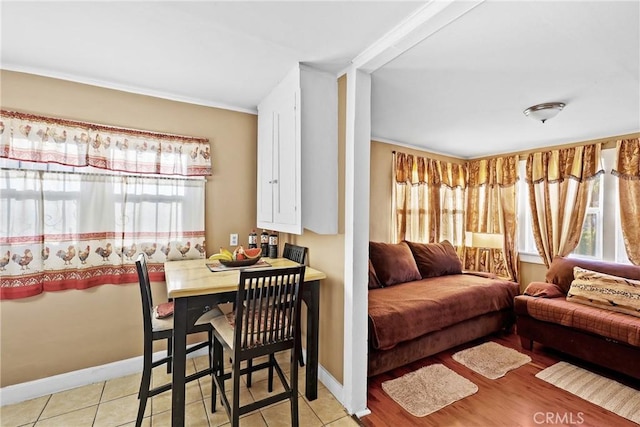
[544,112]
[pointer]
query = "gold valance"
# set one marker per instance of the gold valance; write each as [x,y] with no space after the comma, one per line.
[627,159]
[415,170]
[580,163]
[501,171]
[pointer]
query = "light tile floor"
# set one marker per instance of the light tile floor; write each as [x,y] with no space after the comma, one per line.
[114,403]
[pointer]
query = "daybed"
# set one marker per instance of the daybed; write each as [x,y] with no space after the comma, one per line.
[591,312]
[421,303]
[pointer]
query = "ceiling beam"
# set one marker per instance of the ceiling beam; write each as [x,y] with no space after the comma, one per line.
[421,24]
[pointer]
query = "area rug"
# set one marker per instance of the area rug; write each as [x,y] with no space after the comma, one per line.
[604,392]
[428,389]
[491,359]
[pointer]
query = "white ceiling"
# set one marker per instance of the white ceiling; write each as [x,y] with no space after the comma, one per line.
[461,91]
[213,53]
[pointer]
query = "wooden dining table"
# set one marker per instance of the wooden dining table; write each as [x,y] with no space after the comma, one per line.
[196,289]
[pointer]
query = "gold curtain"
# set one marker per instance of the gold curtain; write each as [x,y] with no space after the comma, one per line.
[428,199]
[559,183]
[491,208]
[627,170]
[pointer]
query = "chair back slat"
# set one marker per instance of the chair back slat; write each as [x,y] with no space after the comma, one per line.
[267,306]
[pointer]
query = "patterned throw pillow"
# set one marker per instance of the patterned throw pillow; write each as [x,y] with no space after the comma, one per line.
[605,291]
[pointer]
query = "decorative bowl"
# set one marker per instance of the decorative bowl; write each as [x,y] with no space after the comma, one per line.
[240,262]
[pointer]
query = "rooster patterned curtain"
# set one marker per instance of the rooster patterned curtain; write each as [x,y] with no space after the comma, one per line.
[70,219]
[49,140]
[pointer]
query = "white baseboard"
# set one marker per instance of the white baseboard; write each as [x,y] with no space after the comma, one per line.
[57,383]
[337,389]
[331,384]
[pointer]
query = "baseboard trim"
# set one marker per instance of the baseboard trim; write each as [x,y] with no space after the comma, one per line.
[363,413]
[337,389]
[331,384]
[57,383]
[32,389]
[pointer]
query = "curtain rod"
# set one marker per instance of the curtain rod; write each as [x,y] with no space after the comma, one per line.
[174,177]
[607,143]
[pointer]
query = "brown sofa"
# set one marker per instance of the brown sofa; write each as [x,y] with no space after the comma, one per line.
[421,303]
[596,334]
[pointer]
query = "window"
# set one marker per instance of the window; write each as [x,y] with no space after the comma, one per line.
[602,215]
[80,201]
[590,245]
[527,244]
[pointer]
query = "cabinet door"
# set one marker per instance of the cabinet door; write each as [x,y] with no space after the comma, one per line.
[286,160]
[266,117]
[279,157]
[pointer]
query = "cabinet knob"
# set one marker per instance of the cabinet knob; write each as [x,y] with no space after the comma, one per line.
[273,181]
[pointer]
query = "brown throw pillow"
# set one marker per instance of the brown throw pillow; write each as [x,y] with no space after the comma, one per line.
[393,263]
[374,282]
[436,259]
[543,290]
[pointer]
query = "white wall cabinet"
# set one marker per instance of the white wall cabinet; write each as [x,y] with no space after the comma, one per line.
[298,154]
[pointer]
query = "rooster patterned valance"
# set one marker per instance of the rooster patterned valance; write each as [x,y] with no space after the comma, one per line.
[49,140]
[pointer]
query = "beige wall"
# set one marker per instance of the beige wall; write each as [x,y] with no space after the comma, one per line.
[380,190]
[58,332]
[531,272]
[80,329]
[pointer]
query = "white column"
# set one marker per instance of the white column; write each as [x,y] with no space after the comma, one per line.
[356,246]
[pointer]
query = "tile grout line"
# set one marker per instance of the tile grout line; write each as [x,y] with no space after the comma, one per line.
[43,408]
[95,416]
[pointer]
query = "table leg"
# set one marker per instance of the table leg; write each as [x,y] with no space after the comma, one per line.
[311,297]
[179,362]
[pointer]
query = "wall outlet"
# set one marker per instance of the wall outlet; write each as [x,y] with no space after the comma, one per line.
[233,239]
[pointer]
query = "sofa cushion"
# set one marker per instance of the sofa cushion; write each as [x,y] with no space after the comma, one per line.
[605,291]
[409,310]
[435,259]
[561,270]
[393,263]
[609,324]
[374,282]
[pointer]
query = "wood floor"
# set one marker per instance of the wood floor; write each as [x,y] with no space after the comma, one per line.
[517,399]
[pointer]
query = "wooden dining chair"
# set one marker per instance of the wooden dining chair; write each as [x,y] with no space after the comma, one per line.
[265,321]
[298,254]
[162,329]
[295,253]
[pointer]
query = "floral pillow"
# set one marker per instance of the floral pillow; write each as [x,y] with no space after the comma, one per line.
[605,291]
